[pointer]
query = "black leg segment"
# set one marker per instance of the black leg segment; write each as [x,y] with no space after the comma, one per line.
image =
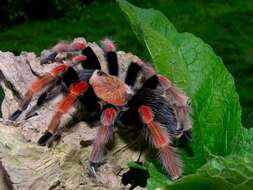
[15,115]
[132,73]
[44,138]
[90,101]
[151,82]
[112,63]
[92,62]
[70,76]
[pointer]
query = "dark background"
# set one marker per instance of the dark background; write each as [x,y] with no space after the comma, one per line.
[227,25]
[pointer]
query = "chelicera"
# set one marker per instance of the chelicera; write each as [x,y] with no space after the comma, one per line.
[138,98]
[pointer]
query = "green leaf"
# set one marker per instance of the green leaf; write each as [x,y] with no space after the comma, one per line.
[197,182]
[245,144]
[140,16]
[234,172]
[156,179]
[192,66]
[135,165]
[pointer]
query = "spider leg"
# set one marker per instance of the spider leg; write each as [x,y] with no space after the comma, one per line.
[161,141]
[39,84]
[104,134]
[76,90]
[147,70]
[111,56]
[135,68]
[36,87]
[179,101]
[50,58]
[45,95]
[63,47]
[52,91]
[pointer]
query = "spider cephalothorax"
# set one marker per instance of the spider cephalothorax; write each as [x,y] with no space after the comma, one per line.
[110,89]
[135,96]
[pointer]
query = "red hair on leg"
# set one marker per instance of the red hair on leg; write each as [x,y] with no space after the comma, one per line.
[159,137]
[75,90]
[103,135]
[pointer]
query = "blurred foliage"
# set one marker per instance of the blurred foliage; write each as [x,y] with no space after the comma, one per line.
[72,10]
[11,10]
[16,11]
[224,24]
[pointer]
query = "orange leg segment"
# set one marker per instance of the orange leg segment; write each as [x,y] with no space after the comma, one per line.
[75,91]
[159,137]
[103,136]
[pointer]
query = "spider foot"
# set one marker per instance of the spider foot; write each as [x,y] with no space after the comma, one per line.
[188,135]
[184,142]
[45,138]
[50,58]
[15,115]
[92,169]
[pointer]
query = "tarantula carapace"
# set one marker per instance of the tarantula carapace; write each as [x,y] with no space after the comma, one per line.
[138,98]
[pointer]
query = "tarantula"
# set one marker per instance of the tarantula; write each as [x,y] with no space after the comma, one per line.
[138,98]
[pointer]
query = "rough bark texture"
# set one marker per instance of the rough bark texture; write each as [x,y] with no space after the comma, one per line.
[25,165]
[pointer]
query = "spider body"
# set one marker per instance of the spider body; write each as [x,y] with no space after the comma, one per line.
[135,96]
